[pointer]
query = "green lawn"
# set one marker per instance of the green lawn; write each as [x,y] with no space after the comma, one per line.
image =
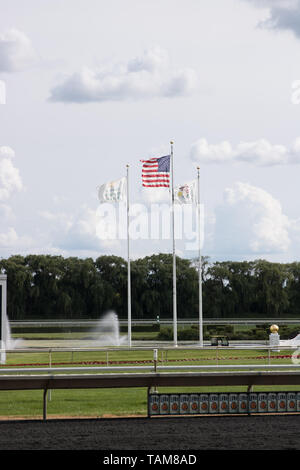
[74,402]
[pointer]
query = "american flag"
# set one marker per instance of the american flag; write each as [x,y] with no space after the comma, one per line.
[156,172]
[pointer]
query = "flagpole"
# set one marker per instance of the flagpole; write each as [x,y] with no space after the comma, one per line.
[200,267]
[174,253]
[128,264]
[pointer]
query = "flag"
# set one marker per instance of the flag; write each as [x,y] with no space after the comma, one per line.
[156,172]
[186,193]
[115,191]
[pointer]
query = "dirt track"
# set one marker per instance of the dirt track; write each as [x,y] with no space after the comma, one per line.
[191,433]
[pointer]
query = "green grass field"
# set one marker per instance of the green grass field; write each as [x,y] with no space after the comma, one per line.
[117,402]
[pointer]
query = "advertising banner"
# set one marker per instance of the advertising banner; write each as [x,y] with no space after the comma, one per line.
[194,404]
[174,404]
[164,405]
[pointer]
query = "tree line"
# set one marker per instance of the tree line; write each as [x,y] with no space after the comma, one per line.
[54,287]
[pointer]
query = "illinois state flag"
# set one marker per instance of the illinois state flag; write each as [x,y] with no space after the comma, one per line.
[156,172]
[114,191]
[186,193]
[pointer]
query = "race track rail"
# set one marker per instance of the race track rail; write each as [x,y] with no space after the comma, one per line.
[47,382]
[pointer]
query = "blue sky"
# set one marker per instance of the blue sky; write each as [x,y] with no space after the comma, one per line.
[92,86]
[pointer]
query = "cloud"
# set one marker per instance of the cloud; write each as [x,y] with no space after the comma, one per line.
[250,221]
[287,4]
[9,239]
[204,152]
[16,51]
[77,232]
[260,152]
[10,182]
[10,179]
[148,76]
[283,14]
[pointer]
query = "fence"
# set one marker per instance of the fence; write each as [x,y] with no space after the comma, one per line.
[147,380]
[162,352]
[148,376]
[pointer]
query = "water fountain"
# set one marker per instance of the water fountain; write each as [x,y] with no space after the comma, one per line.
[6,341]
[9,342]
[276,341]
[108,331]
[294,342]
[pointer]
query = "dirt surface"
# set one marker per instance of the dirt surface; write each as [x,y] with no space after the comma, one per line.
[182,433]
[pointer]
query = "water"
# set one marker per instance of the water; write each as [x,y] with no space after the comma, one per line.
[106,333]
[9,342]
[295,342]
[108,329]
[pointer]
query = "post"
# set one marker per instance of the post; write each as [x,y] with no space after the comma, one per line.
[50,365]
[174,252]
[45,404]
[200,267]
[128,265]
[3,317]
[155,357]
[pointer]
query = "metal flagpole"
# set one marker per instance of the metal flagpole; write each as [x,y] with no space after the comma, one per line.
[200,266]
[128,264]
[174,253]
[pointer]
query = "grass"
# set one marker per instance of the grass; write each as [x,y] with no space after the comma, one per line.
[29,403]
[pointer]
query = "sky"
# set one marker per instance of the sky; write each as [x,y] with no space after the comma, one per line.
[89,86]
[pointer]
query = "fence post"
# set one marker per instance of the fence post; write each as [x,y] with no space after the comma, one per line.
[45,404]
[148,402]
[155,356]
[50,365]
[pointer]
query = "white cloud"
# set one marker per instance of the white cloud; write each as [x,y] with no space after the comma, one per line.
[16,51]
[10,239]
[6,212]
[148,76]
[204,152]
[160,195]
[250,221]
[260,152]
[10,179]
[77,232]
[283,14]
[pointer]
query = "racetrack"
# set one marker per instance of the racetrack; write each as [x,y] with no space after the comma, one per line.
[266,432]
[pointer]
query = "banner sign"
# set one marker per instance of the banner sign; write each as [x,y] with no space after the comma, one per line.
[222,403]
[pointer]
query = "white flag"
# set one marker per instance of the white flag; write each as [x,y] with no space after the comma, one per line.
[115,191]
[186,193]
